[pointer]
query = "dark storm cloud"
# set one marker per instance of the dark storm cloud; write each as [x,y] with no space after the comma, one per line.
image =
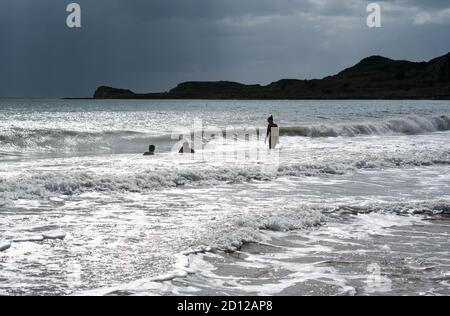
[203,9]
[153,45]
[428,4]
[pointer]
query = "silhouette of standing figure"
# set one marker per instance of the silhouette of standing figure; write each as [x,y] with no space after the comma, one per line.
[272,138]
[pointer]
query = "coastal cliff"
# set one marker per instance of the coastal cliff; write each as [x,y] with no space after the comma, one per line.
[374,77]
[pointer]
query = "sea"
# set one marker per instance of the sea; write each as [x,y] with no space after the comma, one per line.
[354,200]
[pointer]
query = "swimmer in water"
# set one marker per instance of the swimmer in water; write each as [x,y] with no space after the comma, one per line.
[151,151]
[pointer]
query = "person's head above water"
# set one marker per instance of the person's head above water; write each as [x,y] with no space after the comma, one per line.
[151,150]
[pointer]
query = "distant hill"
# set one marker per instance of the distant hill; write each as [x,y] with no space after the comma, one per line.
[374,77]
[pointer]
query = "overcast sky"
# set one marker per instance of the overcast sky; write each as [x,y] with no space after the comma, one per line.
[151,45]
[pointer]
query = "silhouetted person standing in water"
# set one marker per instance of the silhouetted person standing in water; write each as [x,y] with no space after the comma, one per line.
[273,139]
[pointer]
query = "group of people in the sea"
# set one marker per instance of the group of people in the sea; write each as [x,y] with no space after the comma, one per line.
[186,148]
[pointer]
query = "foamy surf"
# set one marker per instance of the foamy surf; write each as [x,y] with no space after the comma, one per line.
[294,261]
[134,173]
[410,125]
[18,141]
[360,187]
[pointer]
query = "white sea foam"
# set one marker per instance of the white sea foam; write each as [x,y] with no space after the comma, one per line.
[357,182]
[17,141]
[411,125]
[29,238]
[54,235]
[229,238]
[205,275]
[4,245]
[130,173]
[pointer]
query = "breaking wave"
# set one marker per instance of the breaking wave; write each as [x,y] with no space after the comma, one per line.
[412,125]
[440,207]
[49,184]
[19,140]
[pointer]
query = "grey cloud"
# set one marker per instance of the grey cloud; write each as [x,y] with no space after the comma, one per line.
[153,45]
[428,4]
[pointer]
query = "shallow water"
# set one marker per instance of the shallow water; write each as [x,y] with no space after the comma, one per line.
[356,201]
